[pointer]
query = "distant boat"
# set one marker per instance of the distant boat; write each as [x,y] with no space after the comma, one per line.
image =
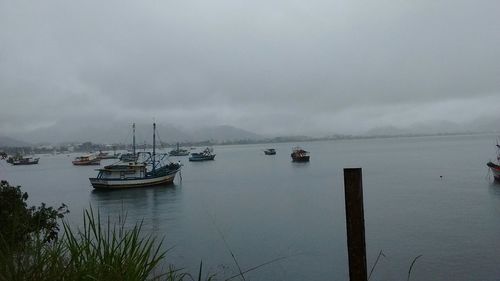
[270,151]
[86,160]
[24,161]
[205,155]
[495,167]
[178,151]
[299,155]
[151,172]
[130,157]
[19,159]
[105,155]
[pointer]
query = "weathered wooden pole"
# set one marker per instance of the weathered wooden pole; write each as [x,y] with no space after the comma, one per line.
[355,221]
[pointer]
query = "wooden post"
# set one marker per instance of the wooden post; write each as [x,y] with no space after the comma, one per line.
[355,221]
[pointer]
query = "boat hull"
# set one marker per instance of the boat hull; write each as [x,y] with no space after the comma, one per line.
[108,157]
[86,163]
[495,170]
[300,159]
[30,162]
[131,183]
[204,158]
[179,153]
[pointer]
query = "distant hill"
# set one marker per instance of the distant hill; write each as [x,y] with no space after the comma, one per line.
[485,125]
[11,142]
[115,132]
[224,133]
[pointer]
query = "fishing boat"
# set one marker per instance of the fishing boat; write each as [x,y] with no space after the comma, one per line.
[151,172]
[130,156]
[105,155]
[495,167]
[23,161]
[178,151]
[205,155]
[300,155]
[270,151]
[86,160]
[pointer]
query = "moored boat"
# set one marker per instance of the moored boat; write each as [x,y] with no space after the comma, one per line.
[178,151]
[495,167]
[25,161]
[495,170]
[130,157]
[300,155]
[106,155]
[86,160]
[270,151]
[150,172]
[205,155]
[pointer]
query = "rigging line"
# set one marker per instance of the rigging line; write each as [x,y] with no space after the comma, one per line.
[159,138]
[242,272]
[256,267]
[229,249]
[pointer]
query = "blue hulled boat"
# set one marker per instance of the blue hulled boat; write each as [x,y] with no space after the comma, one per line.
[205,155]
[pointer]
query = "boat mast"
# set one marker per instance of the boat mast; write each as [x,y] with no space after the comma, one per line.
[133,142]
[154,144]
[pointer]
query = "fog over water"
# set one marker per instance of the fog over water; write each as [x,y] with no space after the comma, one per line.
[270,67]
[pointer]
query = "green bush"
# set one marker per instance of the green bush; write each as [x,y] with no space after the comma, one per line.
[18,223]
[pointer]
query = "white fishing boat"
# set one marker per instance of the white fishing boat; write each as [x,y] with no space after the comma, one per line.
[150,172]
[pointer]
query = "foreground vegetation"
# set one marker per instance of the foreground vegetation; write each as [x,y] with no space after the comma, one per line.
[31,247]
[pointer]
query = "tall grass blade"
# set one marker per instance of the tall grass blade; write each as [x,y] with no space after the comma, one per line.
[411,266]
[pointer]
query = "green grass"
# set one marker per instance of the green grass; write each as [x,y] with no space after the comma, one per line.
[97,251]
[110,253]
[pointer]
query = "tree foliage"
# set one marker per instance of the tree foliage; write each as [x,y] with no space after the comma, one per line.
[18,222]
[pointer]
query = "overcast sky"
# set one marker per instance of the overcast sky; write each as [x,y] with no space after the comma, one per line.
[271,67]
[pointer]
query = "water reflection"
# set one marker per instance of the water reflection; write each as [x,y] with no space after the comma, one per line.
[494,188]
[153,206]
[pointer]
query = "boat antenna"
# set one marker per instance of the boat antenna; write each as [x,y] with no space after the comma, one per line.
[133,142]
[154,144]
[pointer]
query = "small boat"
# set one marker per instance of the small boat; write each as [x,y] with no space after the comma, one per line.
[205,155]
[178,151]
[130,157]
[86,160]
[24,161]
[151,172]
[106,155]
[299,155]
[270,151]
[495,167]
[102,155]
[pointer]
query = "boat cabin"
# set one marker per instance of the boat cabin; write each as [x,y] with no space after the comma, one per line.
[130,171]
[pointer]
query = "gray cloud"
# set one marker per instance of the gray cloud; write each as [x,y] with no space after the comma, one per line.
[273,67]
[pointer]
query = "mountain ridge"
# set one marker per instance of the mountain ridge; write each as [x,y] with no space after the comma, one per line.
[122,133]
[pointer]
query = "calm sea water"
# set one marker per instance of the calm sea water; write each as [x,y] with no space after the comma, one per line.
[266,207]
